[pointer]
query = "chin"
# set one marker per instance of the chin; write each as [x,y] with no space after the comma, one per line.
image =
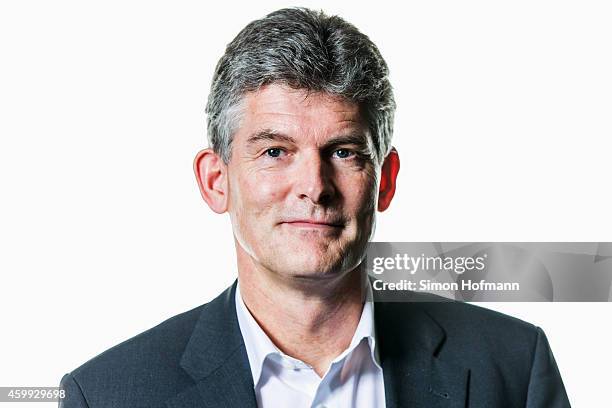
[313,276]
[320,266]
[301,261]
[307,267]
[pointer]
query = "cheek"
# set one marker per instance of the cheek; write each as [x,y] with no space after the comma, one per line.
[270,188]
[361,192]
[256,195]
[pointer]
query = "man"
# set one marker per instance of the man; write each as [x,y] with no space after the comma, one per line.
[300,120]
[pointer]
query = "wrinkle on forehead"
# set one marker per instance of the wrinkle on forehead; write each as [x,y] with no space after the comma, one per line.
[281,100]
[297,110]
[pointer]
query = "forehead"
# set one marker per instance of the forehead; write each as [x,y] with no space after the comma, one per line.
[281,108]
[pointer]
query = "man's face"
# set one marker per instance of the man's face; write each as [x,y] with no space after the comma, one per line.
[302,183]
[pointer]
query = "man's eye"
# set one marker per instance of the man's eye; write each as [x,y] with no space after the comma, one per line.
[274,152]
[343,153]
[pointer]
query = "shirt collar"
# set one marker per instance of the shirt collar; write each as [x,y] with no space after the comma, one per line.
[259,346]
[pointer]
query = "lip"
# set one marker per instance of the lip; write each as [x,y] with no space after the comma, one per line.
[306,223]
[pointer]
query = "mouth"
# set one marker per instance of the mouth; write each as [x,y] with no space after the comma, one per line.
[314,224]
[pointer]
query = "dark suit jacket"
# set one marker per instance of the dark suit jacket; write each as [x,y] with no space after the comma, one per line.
[433,354]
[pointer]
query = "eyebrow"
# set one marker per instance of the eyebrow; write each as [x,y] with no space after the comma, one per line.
[358,139]
[268,134]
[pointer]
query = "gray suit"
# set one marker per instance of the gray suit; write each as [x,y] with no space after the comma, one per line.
[433,354]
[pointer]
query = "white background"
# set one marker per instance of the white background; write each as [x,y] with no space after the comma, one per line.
[503,127]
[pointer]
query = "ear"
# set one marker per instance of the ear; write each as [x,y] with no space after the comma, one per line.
[211,174]
[388,177]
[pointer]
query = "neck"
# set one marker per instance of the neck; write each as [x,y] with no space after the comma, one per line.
[312,320]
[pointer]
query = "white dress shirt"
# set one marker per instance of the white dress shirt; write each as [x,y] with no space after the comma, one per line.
[354,378]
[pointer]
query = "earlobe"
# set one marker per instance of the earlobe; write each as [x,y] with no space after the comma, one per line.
[388,178]
[211,175]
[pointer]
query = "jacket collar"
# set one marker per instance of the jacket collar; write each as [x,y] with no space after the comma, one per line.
[409,339]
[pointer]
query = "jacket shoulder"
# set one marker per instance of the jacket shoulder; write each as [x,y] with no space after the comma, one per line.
[456,316]
[144,368]
[460,318]
[469,331]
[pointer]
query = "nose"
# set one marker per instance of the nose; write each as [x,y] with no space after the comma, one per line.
[313,179]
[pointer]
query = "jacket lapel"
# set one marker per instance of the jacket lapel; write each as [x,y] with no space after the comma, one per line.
[414,375]
[216,359]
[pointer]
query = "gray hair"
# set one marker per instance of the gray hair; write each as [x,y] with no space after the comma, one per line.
[302,49]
